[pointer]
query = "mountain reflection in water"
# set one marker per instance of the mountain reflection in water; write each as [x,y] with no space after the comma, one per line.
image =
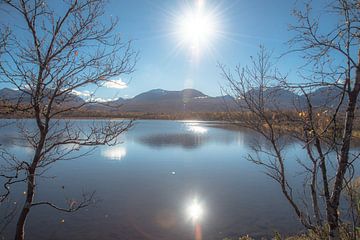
[185,140]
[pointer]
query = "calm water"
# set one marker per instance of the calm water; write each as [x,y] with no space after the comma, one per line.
[145,185]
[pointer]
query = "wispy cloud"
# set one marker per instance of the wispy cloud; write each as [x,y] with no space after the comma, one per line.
[101,100]
[119,84]
[81,93]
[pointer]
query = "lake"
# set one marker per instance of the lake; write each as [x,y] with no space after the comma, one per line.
[144,186]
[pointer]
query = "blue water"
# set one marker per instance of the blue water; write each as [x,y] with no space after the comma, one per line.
[145,184]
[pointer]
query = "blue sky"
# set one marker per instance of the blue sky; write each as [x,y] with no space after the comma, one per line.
[241,26]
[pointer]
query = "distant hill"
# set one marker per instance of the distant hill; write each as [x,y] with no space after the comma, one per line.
[16,96]
[327,97]
[192,100]
[13,96]
[277,97]
[163,95]
[187,100]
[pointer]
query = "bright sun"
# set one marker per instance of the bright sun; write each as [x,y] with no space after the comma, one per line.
[197,28]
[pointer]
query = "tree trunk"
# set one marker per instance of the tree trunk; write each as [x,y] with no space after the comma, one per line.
[333,221]
[333,216]
[20,227]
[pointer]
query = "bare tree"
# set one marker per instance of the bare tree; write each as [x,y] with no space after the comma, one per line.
[4,34]
[54,54]
[326,130]
[255,91]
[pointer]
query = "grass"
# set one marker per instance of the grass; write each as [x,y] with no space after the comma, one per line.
[320,234]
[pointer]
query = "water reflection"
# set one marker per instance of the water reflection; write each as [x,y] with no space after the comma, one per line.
[188,135]
[195,210]
[196,128]
[184,140]
[25,149]
[144,196]
[114,153]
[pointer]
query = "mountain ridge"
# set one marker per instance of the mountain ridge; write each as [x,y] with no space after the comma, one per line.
[192,100]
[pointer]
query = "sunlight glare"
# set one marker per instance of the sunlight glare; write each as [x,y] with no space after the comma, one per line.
[195,128]
[197,27]
[114,153]
[195,210]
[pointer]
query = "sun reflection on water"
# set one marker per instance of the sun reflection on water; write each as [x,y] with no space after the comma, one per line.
[114,153]
[195,210]
[196,128]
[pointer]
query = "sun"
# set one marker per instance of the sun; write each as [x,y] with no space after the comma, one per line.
[196,27]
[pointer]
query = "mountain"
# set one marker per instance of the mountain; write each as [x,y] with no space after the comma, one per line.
[119,101]
[163,95]
[163,101]
[327,97]
[192,100]
[16,96]
[277,97]
[13,96]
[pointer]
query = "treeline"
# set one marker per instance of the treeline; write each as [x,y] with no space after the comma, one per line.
[288,120]
[205,116]
[7,111]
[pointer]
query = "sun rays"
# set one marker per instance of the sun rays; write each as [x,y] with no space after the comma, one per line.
[196,28]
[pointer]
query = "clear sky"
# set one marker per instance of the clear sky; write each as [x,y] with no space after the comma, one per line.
[241,26]
[231,31]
